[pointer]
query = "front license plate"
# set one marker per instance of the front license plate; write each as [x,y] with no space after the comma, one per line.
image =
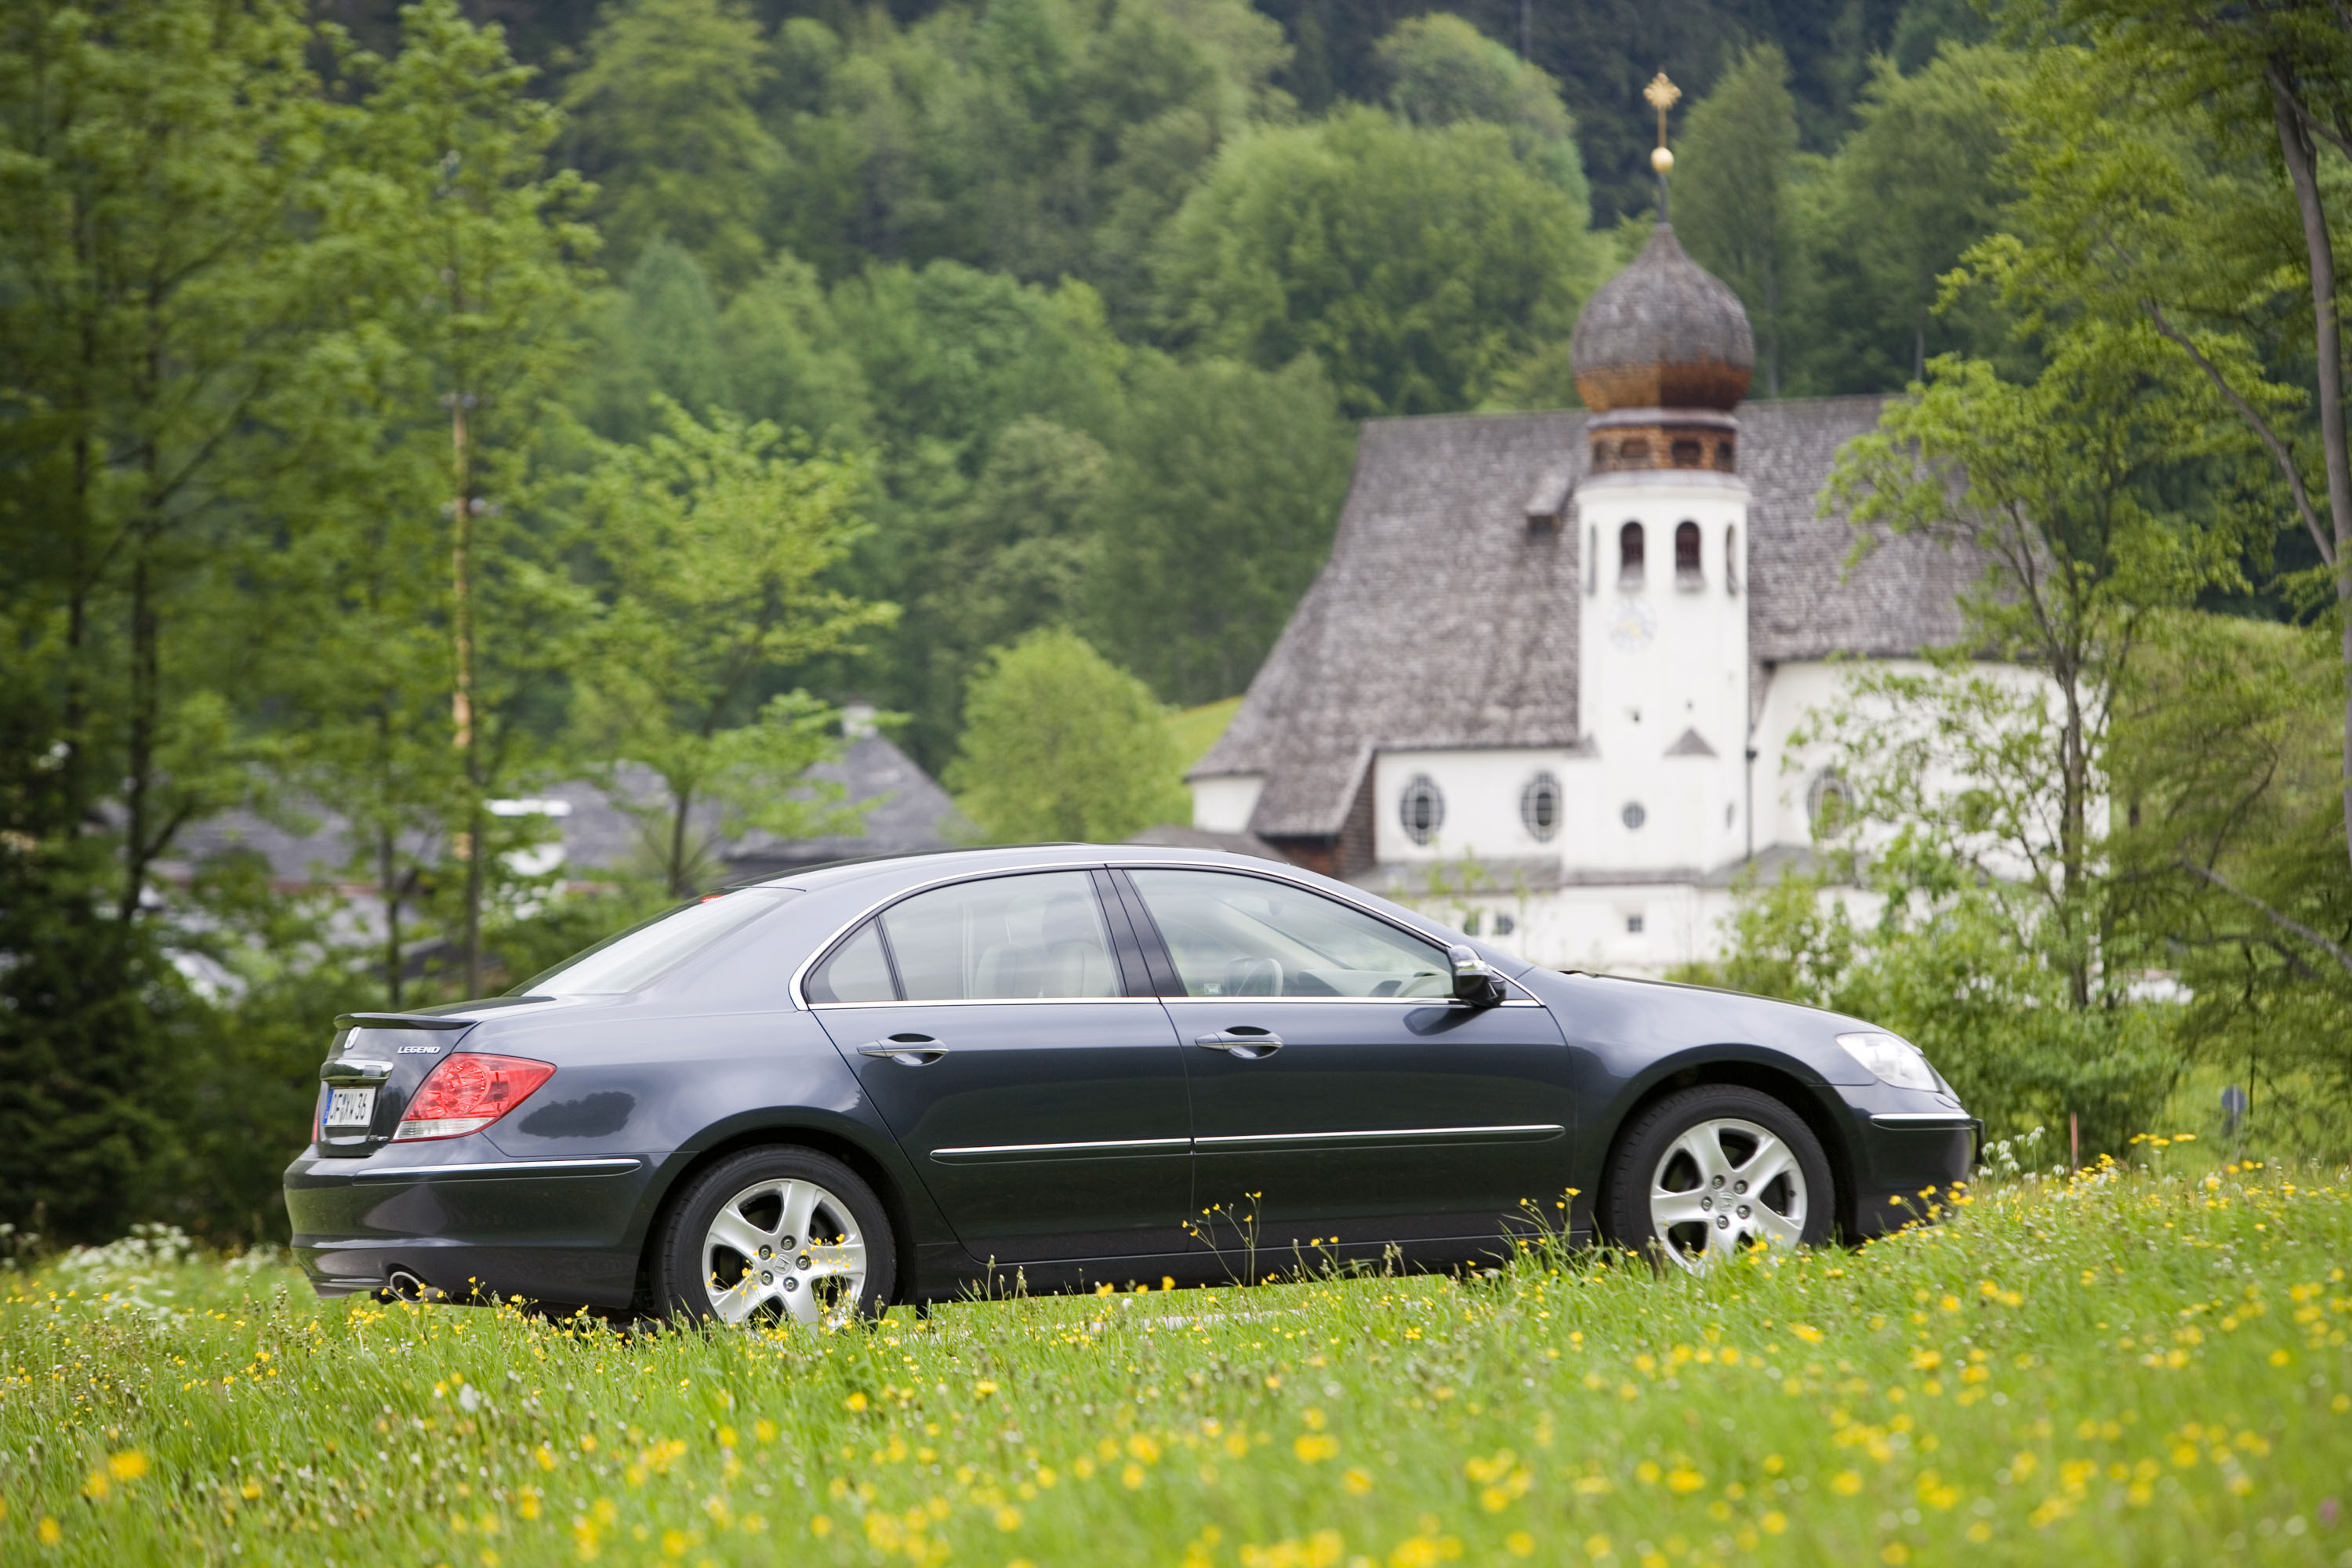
[351,1108]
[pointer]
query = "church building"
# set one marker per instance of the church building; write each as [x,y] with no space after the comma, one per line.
[1546,684]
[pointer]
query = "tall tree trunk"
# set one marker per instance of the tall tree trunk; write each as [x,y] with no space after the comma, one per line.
[388,886]
[139,757]
[2295,147]
[72,772]
[681,804]
[474,825]
[461,696]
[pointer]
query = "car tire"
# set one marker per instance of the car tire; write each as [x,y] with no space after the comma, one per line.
[1710,1172]
[777,1233]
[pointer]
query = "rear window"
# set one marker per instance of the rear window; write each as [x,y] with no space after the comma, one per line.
[637,957]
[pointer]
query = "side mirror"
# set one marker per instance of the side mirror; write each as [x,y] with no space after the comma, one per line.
[1474,980]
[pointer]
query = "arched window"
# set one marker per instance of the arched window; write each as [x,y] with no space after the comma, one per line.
[1539,807]
[1829,803]
[1629,556]
[1421,809]
[1688,571]
[1731,559]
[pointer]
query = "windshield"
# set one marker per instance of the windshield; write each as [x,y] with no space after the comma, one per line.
[644,953]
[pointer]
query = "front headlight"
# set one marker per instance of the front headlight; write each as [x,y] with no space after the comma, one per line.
[1894,1058]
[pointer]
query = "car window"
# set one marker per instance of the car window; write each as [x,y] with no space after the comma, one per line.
[644,953]
[1247,936]
[1003,939]
[857,971]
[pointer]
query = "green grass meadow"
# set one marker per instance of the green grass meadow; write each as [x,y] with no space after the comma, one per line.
[2121,1367]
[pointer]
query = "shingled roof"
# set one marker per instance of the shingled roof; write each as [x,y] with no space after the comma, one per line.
[1443,620]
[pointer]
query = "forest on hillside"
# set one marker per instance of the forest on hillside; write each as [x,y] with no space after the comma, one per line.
[402,408]
[1041,261]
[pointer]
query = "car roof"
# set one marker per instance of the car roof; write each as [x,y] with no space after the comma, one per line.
[936,863]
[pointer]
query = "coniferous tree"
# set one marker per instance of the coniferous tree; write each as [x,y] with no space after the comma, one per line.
[666,118]
[157,163]
[481,264]
[659,337]
[1731,207]
[1914,186]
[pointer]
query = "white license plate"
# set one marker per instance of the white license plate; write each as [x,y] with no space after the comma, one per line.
[351,1108]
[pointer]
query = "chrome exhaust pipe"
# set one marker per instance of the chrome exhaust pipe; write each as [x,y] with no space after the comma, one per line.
[400,1285]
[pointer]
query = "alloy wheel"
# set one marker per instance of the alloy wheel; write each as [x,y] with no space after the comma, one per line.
[1723,1186]
[784,1250]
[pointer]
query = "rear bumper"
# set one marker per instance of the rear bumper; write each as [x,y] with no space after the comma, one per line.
[556,1231]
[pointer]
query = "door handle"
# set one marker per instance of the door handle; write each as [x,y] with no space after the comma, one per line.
[1244,1042]
[906,1050]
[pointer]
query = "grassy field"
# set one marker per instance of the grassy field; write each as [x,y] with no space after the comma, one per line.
[2126,1367]
[1195,730]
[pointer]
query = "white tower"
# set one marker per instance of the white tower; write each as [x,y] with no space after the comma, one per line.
[1662,356]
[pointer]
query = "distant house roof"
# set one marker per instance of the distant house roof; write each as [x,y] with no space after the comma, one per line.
[911,812]
[1175,836]
[309,845]
[599,833]
[1442,620]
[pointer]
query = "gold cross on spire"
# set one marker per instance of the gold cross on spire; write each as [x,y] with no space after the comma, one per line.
[1662,95]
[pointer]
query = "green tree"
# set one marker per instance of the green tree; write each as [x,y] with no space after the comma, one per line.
[2225,771]
[2207,200]
[1732,178]
[1033,137]
[1416,265]
[953,354]
[716,544]
[1918,184]
[1023,550]
[2058,488]
[471,244]
[158,163]
[1060,744]
[788,362]
[1443,71]
[659,335]
[952,357]
[1223,493]
[666,118]
[1976,798]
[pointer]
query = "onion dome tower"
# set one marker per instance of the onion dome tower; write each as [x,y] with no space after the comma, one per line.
[1663,353]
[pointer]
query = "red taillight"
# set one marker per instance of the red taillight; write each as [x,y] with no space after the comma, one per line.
[468,1092]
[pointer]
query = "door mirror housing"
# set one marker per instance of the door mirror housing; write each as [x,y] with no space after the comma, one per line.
[1474,980]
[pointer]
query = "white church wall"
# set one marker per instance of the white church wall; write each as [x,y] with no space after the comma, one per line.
[1481,792]
[1788,777]
[1787,774]
[1637,929]
[1223,803]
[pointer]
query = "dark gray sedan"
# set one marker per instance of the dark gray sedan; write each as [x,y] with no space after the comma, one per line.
[1061,1065]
